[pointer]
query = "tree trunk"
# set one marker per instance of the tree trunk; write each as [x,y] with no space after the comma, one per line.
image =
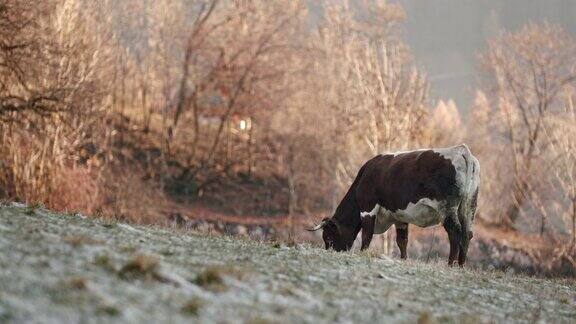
[293,196]
[249,158]
[574,220]
[542,224]
[513,210]
[147,112]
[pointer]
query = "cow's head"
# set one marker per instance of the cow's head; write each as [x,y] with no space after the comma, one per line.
[336,236]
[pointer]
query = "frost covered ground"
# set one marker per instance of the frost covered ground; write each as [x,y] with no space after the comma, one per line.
[67,268]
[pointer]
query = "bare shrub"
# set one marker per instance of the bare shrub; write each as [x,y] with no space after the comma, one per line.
[51,98]
[77,188]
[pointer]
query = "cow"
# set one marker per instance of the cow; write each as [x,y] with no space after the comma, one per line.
[423,187]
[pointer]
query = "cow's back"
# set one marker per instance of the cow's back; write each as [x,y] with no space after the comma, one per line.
[395,180]
[419,186]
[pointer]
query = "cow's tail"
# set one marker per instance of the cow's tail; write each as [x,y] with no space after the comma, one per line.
[469,199]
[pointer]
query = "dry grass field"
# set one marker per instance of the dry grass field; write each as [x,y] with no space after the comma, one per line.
[66,268]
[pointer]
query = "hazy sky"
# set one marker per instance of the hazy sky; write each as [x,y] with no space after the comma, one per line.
[446,35]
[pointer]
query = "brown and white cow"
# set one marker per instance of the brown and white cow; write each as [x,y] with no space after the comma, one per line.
[423,187]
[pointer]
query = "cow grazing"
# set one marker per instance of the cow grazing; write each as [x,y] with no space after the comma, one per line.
[423,187]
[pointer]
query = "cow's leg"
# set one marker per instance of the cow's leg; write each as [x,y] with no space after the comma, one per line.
[452,226]
[367,230]
[466,235]
[402,238]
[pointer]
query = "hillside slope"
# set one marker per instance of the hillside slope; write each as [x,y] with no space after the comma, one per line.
[68,268]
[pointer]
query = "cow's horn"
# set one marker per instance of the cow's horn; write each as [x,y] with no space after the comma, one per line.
[317,227]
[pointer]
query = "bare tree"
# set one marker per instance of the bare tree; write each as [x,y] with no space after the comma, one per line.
[20,47]
[445,125]
[235,57]
[365,97]
[372,92]
[563,146]
[527,71]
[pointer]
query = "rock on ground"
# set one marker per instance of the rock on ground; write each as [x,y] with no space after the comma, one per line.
[57,268]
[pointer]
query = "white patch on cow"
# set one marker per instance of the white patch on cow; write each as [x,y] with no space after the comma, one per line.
[467,178]
[428,212]
[447,152]
[370,213]
[425,212]
[456,155]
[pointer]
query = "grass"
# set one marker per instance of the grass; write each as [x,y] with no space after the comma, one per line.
[192,306]
[259,320]
[211,278]
[425,318]
[109,310]
[80,240]
[104,261]
[130,248]
[371,253]
[33,208]
[77,282]
[266,283]
[141,266]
